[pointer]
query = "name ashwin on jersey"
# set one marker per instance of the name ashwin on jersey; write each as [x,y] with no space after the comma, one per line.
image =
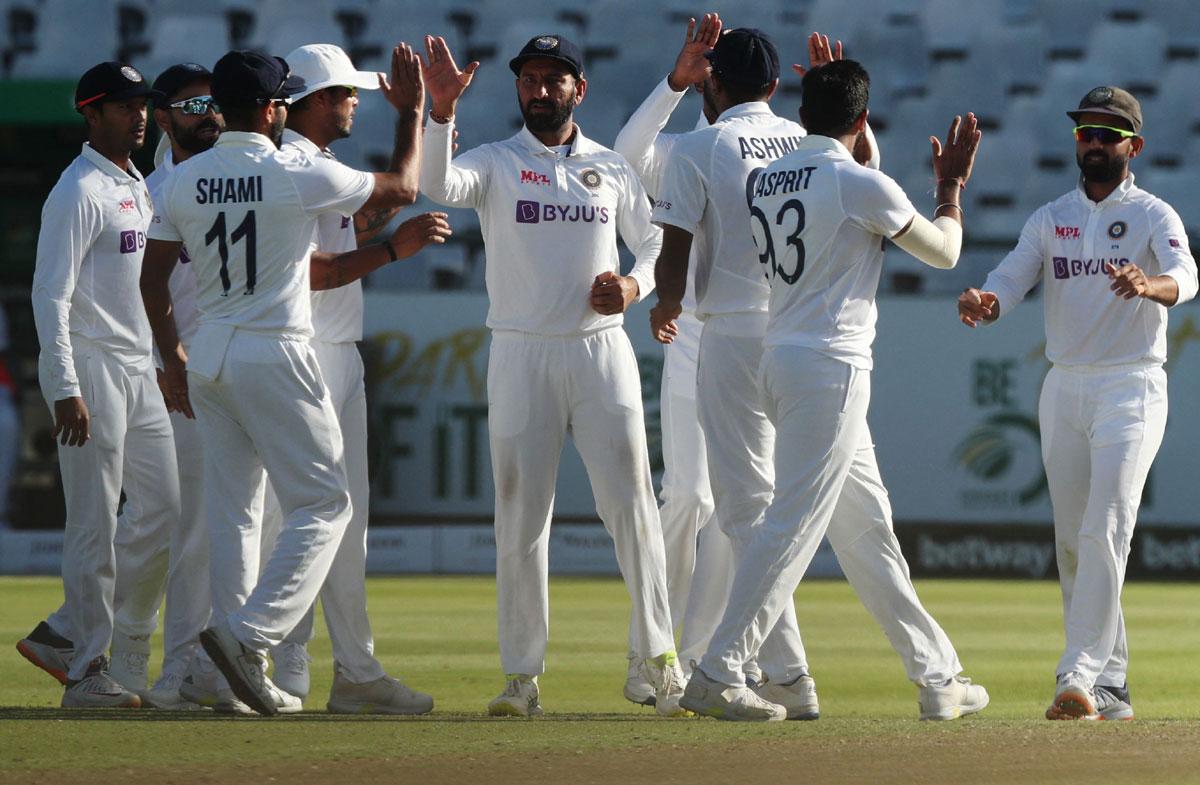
[229,190]
[767,148]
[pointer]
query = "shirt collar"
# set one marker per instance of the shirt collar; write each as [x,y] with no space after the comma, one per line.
[747,109]
[244,139]
[303,143]
[1119,193]
[816,142]
[108,167]
[580,146]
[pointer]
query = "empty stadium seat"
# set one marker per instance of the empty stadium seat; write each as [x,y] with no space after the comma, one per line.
[176,39]
[70,38]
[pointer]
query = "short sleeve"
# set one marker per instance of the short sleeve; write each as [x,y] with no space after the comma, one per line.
[683,193]
[326,186]
[161,225]
[875,201]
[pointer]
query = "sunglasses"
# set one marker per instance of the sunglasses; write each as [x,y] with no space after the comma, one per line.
[353,91]
[196,105]
[1101,133]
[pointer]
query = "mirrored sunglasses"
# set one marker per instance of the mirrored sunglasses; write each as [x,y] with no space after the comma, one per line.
[197,105]
[1102,133]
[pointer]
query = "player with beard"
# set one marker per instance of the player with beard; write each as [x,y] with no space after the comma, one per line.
[1112,259]
[550,203]
[97,377]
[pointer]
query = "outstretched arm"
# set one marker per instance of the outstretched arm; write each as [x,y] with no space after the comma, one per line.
[329,271]
[398,186]
[866,150]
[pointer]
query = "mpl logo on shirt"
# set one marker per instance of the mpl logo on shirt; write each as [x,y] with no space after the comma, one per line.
[132,241]
[534,178]
[1066,232]
[530,212]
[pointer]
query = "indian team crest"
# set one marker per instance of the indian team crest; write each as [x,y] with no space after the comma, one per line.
[590,178]
[131,73]
[1117,229]
[546,42]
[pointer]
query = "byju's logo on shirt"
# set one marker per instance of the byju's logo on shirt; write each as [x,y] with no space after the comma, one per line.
[1065,268]
[132,240]
[529,212]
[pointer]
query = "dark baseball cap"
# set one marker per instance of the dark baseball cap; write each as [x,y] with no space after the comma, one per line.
[1113,101]
[243,77]
[744,56]
[177,77]
[111,81]
[554,47]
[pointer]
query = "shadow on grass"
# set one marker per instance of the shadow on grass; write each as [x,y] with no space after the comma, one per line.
[25,713]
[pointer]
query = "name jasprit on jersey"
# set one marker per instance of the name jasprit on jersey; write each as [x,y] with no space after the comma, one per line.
[783,181]
[229,190]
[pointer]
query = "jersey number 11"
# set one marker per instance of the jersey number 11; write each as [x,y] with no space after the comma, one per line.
[245,230]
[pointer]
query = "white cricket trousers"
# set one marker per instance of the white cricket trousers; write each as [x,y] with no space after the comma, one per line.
[828,483]
[540,388]
[1101,428]
[131,448]
[344,596]
[269,408]
[180,571]
[741,449]
[699,555]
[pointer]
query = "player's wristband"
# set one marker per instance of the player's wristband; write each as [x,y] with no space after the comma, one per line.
[950,204]
[391,251]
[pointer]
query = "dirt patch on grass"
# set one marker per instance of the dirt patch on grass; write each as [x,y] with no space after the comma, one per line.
[1129,754]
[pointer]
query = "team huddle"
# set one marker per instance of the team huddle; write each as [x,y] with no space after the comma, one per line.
[198,333]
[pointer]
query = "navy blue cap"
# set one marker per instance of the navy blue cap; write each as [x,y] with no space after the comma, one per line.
[243,77]
[111,81]
[554,47]
[177,77]
[744,56]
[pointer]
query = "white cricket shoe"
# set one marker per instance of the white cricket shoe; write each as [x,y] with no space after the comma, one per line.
[291,668]
[384,695]
[228,703]
[98,690]
[165,695]
[956,698]
[798,696]
[201,684]
[130,669]
[48,650]
[637,688]
[663,673]
[1073,699]
[737,704]
[519,699]
[1112,703]
[244,668]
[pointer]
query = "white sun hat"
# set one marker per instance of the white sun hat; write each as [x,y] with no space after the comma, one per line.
[326,65]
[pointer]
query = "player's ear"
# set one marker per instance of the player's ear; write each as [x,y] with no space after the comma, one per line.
[1135,146]
[860,122]
[162,118]
[580,90]
[771,91]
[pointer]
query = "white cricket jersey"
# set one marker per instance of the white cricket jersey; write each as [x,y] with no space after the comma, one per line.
[647,148]
[182,283]
[1066,244]
[549,224]
[820,220]
[89,262]
[247,212]
[337,314]
[705,191]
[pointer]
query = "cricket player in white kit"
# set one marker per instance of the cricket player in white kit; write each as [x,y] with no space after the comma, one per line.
[818,220]
[247,213]
[320,114]
[702,203]
[98,379]
[550,202]
[1111,259]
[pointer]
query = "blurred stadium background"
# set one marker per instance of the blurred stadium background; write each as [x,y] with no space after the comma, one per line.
[967,456]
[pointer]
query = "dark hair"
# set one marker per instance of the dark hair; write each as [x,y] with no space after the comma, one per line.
[834,96]
[240,115]
[741,93]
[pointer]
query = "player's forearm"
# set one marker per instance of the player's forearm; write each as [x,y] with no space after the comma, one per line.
[670,272]
[1163,289]
[369,223]
[439,180]
[330,271]
[156,298]
[636,139]
[398,186]
[52,320]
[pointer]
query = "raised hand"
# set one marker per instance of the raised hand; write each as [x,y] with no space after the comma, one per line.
[691,66]
[418,232]
[444,82]
[975,306]
[957,158]
[819,53]
[406,89]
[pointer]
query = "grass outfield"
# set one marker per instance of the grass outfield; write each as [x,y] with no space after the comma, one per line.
[438,634]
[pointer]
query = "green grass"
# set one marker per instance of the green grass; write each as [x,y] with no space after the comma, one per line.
[438,635]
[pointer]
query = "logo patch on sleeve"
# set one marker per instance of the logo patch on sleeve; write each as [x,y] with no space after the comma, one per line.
[1171,241]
